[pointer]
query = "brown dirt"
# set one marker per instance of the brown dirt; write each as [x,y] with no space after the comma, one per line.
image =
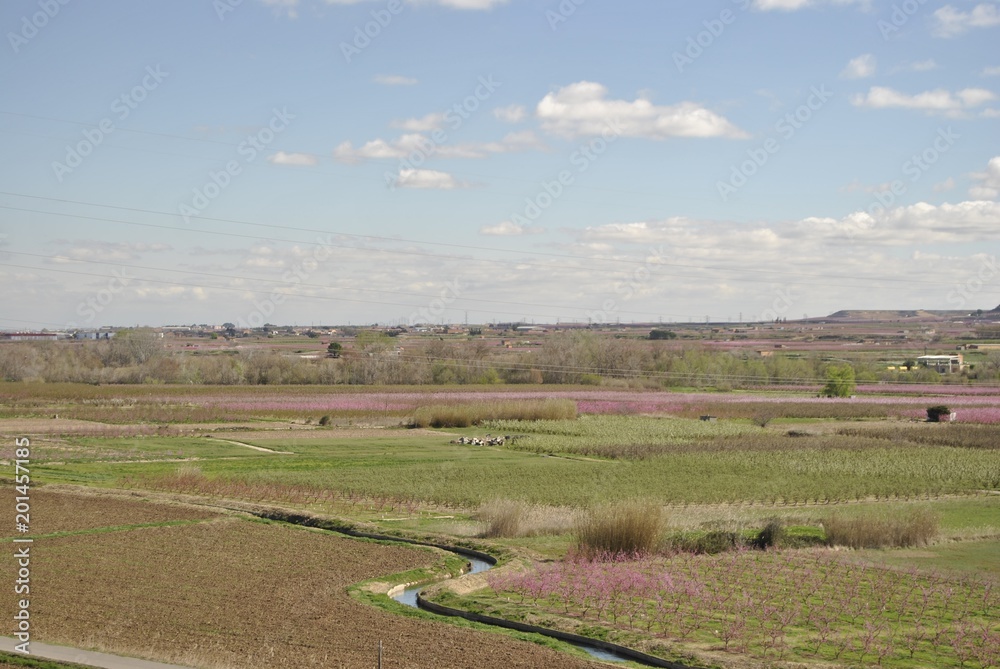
[236,593]
[30,426]
[56,511]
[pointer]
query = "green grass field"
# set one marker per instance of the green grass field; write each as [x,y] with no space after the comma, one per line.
[729,476]
[696,465]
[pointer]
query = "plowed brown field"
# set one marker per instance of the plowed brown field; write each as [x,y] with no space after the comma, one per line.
[62,512]
[236,593]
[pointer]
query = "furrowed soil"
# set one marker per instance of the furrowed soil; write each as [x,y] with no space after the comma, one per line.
[54,511]
[230,592]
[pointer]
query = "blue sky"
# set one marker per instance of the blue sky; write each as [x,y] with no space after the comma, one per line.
[310,161]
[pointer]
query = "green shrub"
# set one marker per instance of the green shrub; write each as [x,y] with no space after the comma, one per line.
[771,535]
[705,543]
[935,413]
[840,381]
[325,420]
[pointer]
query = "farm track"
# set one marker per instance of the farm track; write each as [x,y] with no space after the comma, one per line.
[86,658]
[256,448]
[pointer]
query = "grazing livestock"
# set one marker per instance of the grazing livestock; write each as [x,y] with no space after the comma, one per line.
[488,440]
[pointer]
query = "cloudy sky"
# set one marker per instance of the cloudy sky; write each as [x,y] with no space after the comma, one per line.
[334,161]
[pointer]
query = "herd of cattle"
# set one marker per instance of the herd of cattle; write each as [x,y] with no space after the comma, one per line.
[485,441]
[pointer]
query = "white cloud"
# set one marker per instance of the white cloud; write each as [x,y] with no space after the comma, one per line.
[973,97]
[510,114]
[856,186]
[859,68]
[261,262]
[509,229]
[990,113]
[101,251]
[431,121]
[945,185]
[461,4]
[795,5]
[428,179]
[988,187]
[583,110]
[917,66]
[920,224]
[938,100]
[289,8]
[406,145]
[924,65]
[296,159]
[992,71]
[452,4]
[950,22]
[394,80]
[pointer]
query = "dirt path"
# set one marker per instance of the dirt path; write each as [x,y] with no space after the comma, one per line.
[85,657]
[256,448]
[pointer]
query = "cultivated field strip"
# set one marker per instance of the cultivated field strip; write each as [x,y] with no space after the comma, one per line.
[236,592]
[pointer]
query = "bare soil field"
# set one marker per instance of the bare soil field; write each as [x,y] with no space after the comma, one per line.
[32,426]
[56,511]
[237,593]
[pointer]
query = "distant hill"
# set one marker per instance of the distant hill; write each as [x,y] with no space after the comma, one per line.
[891,315]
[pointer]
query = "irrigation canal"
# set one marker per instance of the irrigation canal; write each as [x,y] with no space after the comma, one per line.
[480,562]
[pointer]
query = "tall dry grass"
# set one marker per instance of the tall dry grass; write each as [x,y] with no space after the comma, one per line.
[503,518]
[466,415]
[625,527]
[886,529]
[515,518]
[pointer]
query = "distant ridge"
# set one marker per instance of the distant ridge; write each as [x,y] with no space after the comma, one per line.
[895,315]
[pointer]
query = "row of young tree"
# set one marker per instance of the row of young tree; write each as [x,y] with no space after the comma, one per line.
[138,356]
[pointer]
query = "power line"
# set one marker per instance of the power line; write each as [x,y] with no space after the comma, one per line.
[630,262]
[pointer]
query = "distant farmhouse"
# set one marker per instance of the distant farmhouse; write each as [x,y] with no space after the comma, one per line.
[30,336]
[942,363]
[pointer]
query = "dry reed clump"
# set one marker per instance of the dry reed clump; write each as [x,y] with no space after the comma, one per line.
[892,529]
[515,518]
[188,473]
[466,415]
[503,518]
[622,528]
